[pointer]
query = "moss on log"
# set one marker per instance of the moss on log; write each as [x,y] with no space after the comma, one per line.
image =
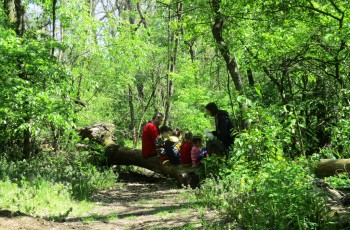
[331,167]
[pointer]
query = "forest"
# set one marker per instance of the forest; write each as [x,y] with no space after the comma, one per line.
[281,69]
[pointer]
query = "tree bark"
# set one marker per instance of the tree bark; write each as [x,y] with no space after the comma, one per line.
[331,167]
[217,30]
[250,77]
[116,155]
[144,112]
[172,56]
[14,11]
[125,156]
[54,3]
[132,126]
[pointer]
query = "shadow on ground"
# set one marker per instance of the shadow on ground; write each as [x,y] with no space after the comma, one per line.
[143,202]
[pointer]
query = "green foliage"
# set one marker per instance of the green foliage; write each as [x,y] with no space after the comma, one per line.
[40,198]
[340,181]
[279,196]
[121,64]
[339,146]
[34,96]
[258,187]
[73,170]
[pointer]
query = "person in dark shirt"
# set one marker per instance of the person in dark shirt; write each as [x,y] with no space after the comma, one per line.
[160,142]
[223,124]
[172,146]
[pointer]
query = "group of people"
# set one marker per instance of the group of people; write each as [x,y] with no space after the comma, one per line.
[170,144]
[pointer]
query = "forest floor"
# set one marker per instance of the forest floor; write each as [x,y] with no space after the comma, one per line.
[137,202]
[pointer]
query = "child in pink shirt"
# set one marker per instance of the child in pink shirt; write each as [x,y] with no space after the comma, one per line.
[196,150]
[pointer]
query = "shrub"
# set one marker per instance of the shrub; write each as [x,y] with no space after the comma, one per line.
[72,170]
[281,195]
[258,187]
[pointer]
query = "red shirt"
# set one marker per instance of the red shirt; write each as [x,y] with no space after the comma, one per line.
[149,135]
[185,153]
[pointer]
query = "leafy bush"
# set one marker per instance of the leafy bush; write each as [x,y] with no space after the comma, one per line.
[35,98]
[340,181]
[280,195]
[73,170]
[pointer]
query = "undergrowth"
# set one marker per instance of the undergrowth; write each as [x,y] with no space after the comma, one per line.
[260,187]
[52,186]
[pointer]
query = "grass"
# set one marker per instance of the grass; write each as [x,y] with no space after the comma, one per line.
[53,187]
[44,199]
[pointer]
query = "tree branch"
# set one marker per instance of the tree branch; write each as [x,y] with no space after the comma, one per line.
[312,7]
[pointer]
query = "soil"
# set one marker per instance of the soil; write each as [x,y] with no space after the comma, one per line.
[138,202]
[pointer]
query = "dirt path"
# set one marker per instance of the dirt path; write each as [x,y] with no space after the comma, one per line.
[138,203]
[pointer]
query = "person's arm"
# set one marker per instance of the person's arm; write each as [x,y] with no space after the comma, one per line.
[158,142]
[154,132]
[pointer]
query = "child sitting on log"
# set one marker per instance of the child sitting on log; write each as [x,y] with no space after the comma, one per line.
[172,147]
[196,150]
[160,142]
[186,148]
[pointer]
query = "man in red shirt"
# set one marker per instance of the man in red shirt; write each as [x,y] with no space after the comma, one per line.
[149,135]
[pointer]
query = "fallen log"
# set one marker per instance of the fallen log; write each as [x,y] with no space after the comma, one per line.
[331,167]
[116,155]
[101,133]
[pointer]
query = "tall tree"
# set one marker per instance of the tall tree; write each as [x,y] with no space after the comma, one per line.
[217,30]
[173,45]
[15,15]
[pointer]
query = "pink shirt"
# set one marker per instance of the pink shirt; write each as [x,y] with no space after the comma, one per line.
[194,156]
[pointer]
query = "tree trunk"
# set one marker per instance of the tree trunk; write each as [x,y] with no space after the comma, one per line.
[217,30]
[329,167]
[172,55]
[27,145]
[132,127]
[116,155]
[125,156]
[14,11]
[144,112]
[250,77]
[54,3]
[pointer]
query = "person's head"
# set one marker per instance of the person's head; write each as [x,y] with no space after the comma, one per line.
[212,109]
[197,141]
[188,136]
[157,118]
[176,132]
[164,131]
